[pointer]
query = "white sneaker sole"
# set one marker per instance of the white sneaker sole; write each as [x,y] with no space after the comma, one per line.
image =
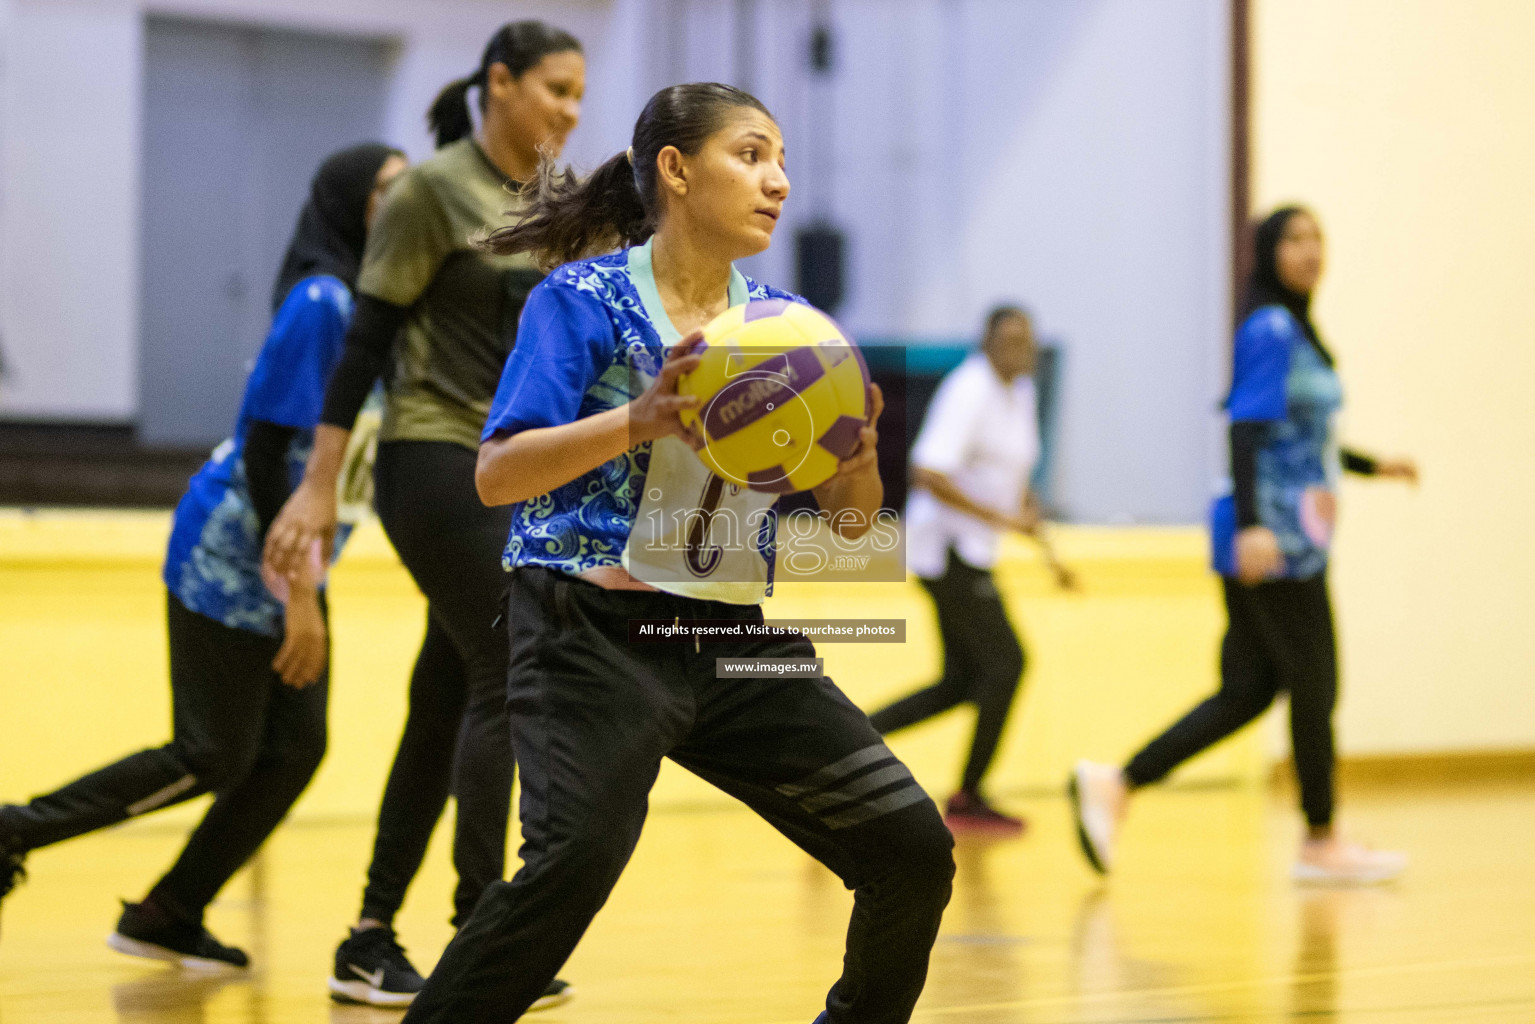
[365,994]
[362,993]
[1098,853]
[1306,874]
[149,951]
[550,1002]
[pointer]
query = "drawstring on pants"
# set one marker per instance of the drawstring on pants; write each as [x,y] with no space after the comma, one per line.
[677,625]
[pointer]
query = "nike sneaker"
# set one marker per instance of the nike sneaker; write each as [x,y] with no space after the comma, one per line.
[144,930]
[372,968]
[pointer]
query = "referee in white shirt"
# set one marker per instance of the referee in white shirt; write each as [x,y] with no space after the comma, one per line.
[970,481]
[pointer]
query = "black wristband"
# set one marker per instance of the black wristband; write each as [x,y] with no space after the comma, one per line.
[1359,463]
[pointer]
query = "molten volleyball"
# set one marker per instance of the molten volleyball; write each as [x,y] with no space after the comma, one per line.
[782,394]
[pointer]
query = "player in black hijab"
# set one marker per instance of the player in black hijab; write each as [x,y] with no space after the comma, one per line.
[332,226]
[248,668]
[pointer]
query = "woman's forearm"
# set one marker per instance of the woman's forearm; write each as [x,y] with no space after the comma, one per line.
[850,504]
[533,462]
[324,466]
[944,489]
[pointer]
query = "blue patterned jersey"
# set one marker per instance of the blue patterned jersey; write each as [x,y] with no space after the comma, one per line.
[213,565]
[1281,380]
[592,337]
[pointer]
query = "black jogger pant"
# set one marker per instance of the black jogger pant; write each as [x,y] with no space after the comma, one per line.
[456,733]
[1279,637]
[592,716]
[237,732]
[983,662]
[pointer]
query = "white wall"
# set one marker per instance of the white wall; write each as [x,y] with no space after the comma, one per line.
[5,35]
[1406,127]
[1071,156]
[69,176]
[70,156]
[1076,164]
[1104,205]
[440,40]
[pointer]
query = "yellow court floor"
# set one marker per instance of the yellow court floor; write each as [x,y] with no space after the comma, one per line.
[719,921]
[82,640]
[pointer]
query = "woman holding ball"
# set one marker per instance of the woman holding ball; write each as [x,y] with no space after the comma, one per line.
[1271,537]
[583,435]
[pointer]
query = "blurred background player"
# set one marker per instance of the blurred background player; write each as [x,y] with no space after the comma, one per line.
[582,443]
[970,471]
[1271,537]
[437,317]
[249,674]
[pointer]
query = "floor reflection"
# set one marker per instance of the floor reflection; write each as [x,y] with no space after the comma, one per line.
[1325,917]
[170,996]
[342,1014]
[979,930]
[1102,967]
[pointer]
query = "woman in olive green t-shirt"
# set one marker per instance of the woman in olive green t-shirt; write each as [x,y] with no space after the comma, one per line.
[436,317]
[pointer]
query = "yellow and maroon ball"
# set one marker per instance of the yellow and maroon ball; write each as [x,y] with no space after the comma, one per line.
[782,394]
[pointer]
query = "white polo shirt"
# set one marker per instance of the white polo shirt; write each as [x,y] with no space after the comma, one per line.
[983,434]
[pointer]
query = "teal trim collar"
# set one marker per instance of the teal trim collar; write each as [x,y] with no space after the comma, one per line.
[643,273]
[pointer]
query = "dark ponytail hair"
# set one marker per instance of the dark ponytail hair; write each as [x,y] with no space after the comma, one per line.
[519,45]
[570,218]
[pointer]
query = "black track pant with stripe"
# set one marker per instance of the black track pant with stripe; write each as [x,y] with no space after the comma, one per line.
[593,715]
[238,732]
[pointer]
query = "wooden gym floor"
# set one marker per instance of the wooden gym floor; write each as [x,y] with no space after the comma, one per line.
[719,921]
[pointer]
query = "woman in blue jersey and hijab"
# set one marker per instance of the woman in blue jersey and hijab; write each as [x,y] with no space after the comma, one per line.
[248,668]
[1271,537]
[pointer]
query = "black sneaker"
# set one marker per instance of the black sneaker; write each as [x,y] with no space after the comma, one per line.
[11,871]
[372,968]
[557,994]
[146,931]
